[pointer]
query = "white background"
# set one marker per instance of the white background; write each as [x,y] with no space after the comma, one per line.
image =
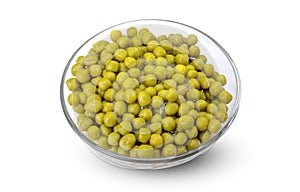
[40,152]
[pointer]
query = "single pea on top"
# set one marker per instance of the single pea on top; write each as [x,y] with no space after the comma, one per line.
[148,96]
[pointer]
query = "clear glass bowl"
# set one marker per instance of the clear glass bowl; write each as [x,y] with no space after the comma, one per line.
[215,54]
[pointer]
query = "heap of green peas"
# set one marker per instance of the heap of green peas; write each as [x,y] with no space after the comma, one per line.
[146,96]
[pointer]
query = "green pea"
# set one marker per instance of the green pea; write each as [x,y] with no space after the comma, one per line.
[127,117]
[208,69]
[85,123]
[160,72]
[215,88]
[104,84]
[110,119]
[144,135]
[169,150]
[99,118]
[145,114]
[225,97]
[214,125]
[182,59]
[151,45]
[72,84]
[155,128]
[157,102]
[204,136]
[212,108]
[192,133]
[130,83]
[156,140]
[183,109]
[120,54]
[105,56]
[120,108]
[125,128]
[138,122]
[185,122]
[131,31]
[79,109]
[144,99]
[93,132]
[123,42]
[150,80]
[156,118]
[145,151]
[193,144]
[182,89]
[102,142]
[137,41]
[221,116]
[192,39]
[171,108]
[115,35]
[134,108]
[147,37]
[194,51]
[179,78]
[130,96]
[202,123]
[127,141]
[172,95]
[193,94]
[168,124]
[166,44]
[170,83]
[99,46]
[181,138]
[168,138]
[83,75]
[159,52]
[90,60]
[201,105]
[104,130]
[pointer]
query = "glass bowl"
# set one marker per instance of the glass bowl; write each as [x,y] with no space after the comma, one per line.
[214,53]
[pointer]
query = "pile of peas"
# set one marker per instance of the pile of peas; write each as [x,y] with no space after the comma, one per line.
[146,96]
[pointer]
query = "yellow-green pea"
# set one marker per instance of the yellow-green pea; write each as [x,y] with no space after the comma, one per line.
[225,97]
[122,151]
[185,122]
[183,49]
[72,84]
[144,99]
[201,105]
[194,83]
[204,82]
[150,80]
[90,60]
[112,66]
[137,41]
[88,88]
[211,108]
[156,118]
[160,72]
[222,107]
[99,46]
[161,61]
[138,122]
[107,107]
[93,106]
[194,51]
[125,128]
[105,56]
[102,142]
[181,69]
[204,136]
[183,109]
[157,102]
[120,95]
[168,124]
[144,135]
[182,59]
[192,74]
[115,35]
[145,151]
[179,78]
[147,37]
[133,52]
[127,141]
[214,125]
[109,95]
[168,138]
[169,150]
[127,117]
[120,54]
[159,51]
[131,31]
[75,68]
[83,98]
[221,116]
[215,88]
[181,89]
[171,108]
[133,152]
[193,144]
[130,83]
[148,69]
[159,87]
[120,108]
[156,140]
[193,94]
[163,94]
[181,149]
[90,114]
[95,70]
[149,57]
[180,138]
[85,123]
[83,75]
[73,99]
[124,42]
[130,96]
[156,128]
[221,79]
[192,133]
[110,119]
[145,114]
[162,37]
[192,39]
[79,109]
[172,95]
[176,39]
[104,130]
[180,99]
[99,118]
[202,123]
[170,58]
[151,91]
[134,108]
[93,132]
[104,84]
[111,47]
[208,69]
[121,77]
[203,58]
[170,71]
[166,44]
[142,87]
[130,62]
[170,83]
[151,45]
[156,153]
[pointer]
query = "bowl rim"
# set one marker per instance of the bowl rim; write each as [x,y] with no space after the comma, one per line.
[202,147]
